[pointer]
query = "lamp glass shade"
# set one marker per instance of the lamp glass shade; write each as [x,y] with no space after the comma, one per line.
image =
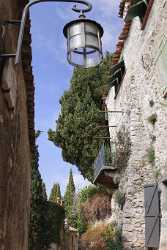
[84,46]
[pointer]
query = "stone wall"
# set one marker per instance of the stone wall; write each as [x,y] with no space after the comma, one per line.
[71,239]
[143,94]
[16,132]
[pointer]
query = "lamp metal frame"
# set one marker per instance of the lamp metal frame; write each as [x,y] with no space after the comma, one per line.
[82,19]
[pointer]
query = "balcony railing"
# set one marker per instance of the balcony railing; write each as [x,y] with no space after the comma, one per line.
[117,75]
[104,167]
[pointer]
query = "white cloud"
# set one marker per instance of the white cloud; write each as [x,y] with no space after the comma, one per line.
[106,7]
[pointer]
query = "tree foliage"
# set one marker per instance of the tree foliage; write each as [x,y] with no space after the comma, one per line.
[93,202]
[113,237]
[81,224]
[46,218]
[89,191]
[102,237]
[55,194]
[77,126]
[38,239]
[96,208]
[56,216]
[69,201]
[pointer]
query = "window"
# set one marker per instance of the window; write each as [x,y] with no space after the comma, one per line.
[118,72]
[152,216]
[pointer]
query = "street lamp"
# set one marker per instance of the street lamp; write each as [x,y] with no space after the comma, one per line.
[84,46]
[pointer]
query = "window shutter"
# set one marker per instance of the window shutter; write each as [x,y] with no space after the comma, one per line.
[152,215]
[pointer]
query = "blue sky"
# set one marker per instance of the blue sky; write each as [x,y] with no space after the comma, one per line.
[52,75]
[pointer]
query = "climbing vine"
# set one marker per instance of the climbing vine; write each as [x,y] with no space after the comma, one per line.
[46,218]
[38,227]
[56,216]
[122,151]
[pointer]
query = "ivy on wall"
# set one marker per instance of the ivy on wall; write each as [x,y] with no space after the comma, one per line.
[122,149]
[46,218]
[38,227]
[56,216]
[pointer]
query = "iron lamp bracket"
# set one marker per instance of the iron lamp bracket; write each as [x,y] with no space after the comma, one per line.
[87,8]
[22,23]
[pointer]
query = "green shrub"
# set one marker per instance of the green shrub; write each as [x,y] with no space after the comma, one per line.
[81,224]
[88,192]
[157,173]
[56,216]
[151,155]
[122,149]
[77,129]
[114,245]
[113,238]
[102,237]
[93,238]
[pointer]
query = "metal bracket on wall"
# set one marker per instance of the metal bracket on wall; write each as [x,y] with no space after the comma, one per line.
[102,137]
[111,111]
[106,126]
[7,55]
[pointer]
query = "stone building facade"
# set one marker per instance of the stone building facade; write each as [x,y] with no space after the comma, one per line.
[142,98]
[16,130]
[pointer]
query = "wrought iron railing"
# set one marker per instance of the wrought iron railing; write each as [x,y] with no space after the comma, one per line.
[104,159]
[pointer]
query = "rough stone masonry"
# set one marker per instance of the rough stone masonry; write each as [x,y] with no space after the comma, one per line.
[143,99]
[16,132]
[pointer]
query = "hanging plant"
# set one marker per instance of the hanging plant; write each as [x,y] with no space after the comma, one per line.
[122,149]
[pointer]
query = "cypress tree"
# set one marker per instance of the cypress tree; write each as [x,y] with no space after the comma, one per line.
[38,228]
[69,200]
[55,194]
[46,218]
[77,129]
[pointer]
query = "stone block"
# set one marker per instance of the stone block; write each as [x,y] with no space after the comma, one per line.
[9,84]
